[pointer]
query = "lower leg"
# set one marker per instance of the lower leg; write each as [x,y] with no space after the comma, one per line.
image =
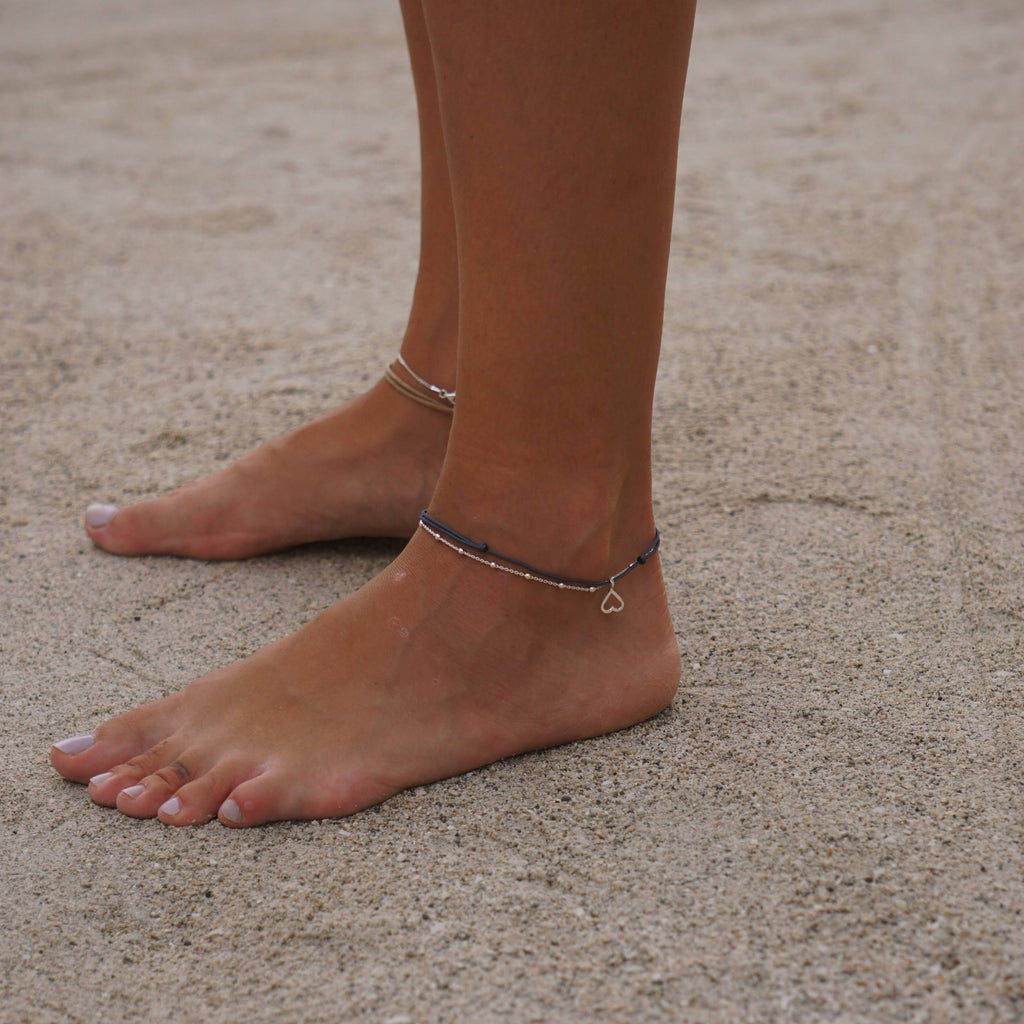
[564,224]
[431,334]
[364,469]
[440,664]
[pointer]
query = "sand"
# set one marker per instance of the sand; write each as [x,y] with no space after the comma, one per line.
[208,231]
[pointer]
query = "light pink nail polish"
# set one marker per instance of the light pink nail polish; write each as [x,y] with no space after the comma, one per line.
[171,806]
[75,744]
[99,515]
[98,780]
[133,791]
[231,811]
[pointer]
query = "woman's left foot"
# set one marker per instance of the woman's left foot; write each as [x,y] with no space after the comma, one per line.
[366,469]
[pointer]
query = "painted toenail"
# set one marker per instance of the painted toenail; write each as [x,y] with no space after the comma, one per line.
[99,515]
[133,791]
[98,780]
[231,810]
[75,744]
[172,806]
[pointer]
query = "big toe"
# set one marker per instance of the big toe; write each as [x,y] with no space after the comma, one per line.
[79,758]
[116,741]
[118,530]
[145,528]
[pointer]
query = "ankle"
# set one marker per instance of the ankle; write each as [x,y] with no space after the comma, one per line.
[431,340]
[584,529]
[487,555]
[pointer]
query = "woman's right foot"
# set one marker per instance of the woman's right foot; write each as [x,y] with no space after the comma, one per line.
[364,470]
[434,668]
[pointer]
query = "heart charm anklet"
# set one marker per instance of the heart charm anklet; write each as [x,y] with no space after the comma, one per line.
[482,553]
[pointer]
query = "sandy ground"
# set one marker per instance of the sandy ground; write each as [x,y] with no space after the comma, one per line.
[208,227]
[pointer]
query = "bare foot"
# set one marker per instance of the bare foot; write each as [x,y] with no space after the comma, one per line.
[365,469]
[436,667]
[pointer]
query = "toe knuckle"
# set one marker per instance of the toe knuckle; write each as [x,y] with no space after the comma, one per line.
[174,775]
[140,765]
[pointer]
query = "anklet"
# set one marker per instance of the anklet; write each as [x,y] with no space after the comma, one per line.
[432,396]
[612,600]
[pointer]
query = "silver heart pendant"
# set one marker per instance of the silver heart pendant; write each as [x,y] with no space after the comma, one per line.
[612,602]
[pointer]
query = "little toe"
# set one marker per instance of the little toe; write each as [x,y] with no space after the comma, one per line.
[275,796]
[255,802]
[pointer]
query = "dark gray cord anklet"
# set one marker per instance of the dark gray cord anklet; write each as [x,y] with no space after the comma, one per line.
[458,542]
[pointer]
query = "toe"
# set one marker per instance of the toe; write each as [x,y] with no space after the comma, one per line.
[200,800]
[275,796]
[257,801]
[105,787]
[136,802]
[154,786]
[144,798]
[80,758]
[133,530]
[97,516]
[195,521]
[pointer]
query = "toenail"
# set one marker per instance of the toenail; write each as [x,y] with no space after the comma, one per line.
[230,810]
[172,806]
[98,780]
[75,744]
[99,515]
[133,791]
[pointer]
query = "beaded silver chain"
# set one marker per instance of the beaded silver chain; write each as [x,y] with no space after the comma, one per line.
[612,602]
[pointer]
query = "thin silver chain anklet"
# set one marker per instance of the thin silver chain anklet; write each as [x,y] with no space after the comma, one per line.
[612,602]
[432,396]
[445,396]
